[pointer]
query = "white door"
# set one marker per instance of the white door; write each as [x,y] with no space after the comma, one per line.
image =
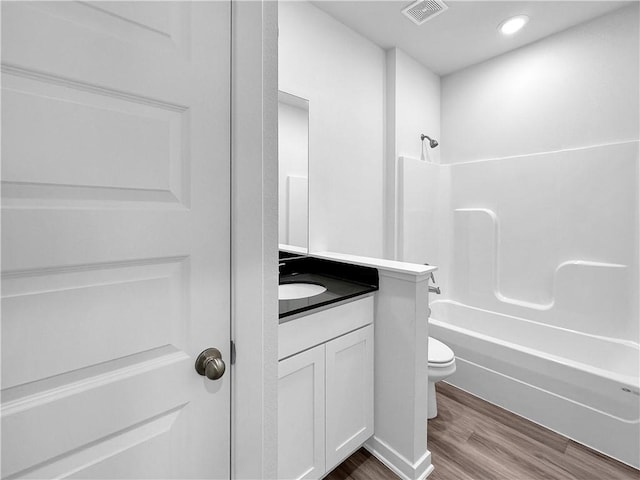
[115,238]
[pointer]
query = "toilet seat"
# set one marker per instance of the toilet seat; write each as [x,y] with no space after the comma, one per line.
[439,354]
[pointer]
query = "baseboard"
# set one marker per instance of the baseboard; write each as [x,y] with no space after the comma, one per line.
[399,464]
[574,420]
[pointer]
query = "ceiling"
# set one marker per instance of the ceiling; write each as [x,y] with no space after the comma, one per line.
[466,33]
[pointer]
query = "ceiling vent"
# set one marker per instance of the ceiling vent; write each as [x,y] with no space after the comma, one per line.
[423,10]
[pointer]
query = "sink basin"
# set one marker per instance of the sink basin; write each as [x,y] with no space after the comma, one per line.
[290,291]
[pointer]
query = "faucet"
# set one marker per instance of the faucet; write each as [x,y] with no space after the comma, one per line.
[433,288]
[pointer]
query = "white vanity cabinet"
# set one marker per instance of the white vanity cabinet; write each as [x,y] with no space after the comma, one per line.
[325,390]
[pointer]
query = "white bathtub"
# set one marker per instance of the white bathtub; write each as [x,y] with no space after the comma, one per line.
[583,386]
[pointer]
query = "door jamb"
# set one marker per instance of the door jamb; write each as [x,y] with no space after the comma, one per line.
[254,237]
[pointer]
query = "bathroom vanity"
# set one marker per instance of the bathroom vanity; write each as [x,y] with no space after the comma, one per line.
[345,355]
[325,332]
[325,370]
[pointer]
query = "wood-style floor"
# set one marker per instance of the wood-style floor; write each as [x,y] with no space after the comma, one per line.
[471,439]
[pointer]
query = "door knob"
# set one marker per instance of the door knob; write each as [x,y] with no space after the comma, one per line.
[210,364]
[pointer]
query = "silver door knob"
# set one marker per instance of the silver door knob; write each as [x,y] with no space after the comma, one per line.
[210,364]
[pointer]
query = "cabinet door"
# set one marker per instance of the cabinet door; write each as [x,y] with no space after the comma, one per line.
[301,397]
[349,422]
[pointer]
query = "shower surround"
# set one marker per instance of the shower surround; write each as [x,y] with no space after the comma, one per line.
[536,207]
[539,273]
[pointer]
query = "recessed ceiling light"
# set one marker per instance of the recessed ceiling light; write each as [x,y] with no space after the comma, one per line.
[513,24]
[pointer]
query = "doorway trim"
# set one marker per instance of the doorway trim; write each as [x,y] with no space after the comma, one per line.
[254,238]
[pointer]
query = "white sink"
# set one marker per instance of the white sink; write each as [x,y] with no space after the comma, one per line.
[290,291]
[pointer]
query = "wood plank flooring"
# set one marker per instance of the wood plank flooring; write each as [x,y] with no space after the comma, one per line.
[471,439]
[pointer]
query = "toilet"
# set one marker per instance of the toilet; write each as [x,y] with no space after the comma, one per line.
[441,364]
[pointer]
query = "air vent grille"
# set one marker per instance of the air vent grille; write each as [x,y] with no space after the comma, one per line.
[423,10]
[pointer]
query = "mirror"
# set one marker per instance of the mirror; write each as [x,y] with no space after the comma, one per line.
[293,175]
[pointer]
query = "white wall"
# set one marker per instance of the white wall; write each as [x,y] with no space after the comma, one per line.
[570,90]
[417,106]
[342,76]
[413,108]
[542,145]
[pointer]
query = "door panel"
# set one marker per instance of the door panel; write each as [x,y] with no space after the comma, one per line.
[115,238]
[106,142]
[34,304]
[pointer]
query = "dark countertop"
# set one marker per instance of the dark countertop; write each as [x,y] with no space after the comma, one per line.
[342,282]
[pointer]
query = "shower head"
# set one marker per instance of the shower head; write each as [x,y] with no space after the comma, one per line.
[432,143]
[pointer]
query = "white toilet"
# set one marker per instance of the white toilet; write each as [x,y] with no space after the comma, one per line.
[441,364]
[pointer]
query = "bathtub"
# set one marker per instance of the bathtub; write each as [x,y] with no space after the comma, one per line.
[582,386]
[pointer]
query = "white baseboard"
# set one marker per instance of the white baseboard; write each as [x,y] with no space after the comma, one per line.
[399,464]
